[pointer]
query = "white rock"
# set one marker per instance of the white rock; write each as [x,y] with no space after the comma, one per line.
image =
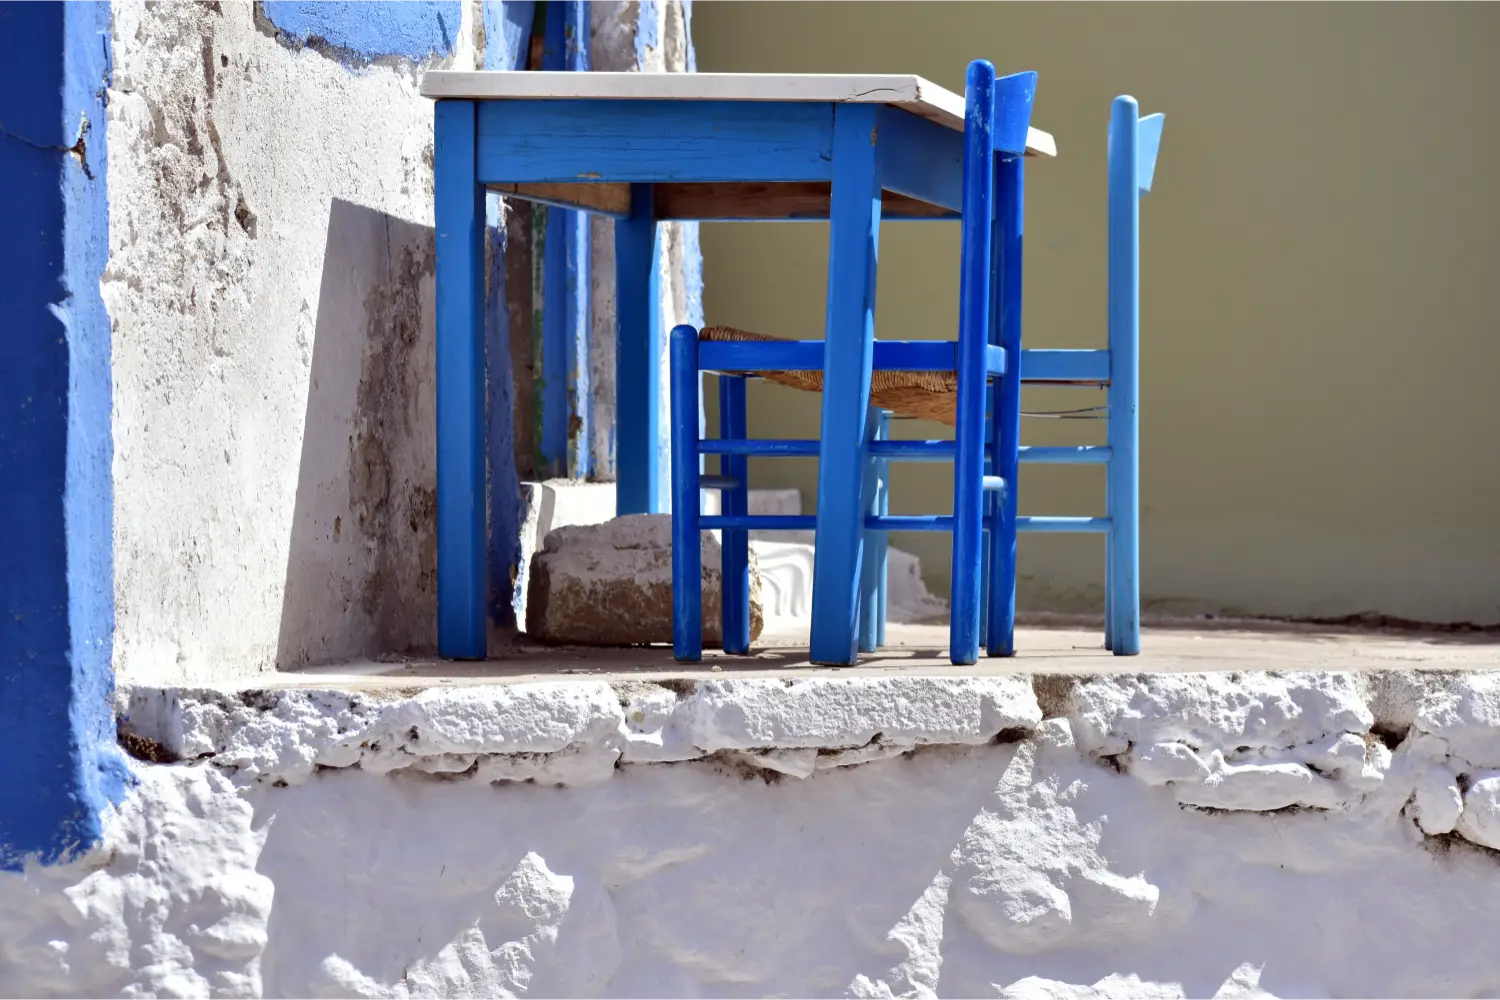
[1213,711]
[1467,715]
[1258,787]
[1160,763]
[1019,911]
[1437,801]
[1112,907]
[1480,820]
[849,712]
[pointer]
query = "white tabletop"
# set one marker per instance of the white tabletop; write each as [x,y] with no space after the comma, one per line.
[911,93]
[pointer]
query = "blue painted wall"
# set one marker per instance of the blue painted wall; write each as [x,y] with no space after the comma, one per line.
[360,32]
[57,573]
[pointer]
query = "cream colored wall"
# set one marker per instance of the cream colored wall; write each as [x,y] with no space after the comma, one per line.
[1321,358]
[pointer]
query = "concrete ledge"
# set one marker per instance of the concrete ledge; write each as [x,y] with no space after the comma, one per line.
[1245,742]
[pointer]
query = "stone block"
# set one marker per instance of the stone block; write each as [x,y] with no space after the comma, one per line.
[611,585]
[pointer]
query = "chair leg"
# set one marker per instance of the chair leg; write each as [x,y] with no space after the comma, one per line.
[1005,425]
[973,338]
[687,551]
[883,574]
[736,502]
[1124,347]
[848,355]
[872,587]
[1109,560]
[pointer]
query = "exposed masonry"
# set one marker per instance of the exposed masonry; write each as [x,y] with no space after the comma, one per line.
[1425,743]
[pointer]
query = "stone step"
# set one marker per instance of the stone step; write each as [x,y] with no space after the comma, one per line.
[785,557]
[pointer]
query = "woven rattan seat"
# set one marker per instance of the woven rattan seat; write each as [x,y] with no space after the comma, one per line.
[920,395]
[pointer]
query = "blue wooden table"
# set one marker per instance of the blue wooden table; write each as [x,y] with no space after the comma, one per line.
[645,148]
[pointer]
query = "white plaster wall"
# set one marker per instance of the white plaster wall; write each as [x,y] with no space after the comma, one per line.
[1197,835]
[270,286]
[271,289]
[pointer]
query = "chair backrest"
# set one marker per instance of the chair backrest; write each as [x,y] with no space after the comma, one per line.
[997,118]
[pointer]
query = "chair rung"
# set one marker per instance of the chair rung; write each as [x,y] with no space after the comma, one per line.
[807,522]
[993,484]
[807,355]
[1050,365]
[719,446]
[718,483]
[758,522]
[913,451]
[1051,455]
[1062,524]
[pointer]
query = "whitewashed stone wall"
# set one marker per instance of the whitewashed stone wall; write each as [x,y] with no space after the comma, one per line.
[270,286]
[1194,835]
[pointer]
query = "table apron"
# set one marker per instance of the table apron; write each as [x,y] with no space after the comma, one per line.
[560,141]
[647,141]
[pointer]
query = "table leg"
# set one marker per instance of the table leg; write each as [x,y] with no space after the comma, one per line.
[459,216]
[638,355]
[854,236]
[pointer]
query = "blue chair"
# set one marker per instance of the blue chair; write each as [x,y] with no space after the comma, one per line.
[1133,146]
[997,117]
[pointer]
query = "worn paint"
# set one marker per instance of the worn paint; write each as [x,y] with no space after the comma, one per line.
[566,398]
[57,576]
[357,33]
[507,30]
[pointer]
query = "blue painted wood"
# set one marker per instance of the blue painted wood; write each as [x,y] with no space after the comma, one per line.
[552,385]
[937,450]
[735,501]
[638,458]
[758,522]
[973,337]
[567,400]
[802,522]
[801,216]
[920,158]
[1014,95]
[873,569]
[459,217]
[783,448]
[507,32]
[808,355]
[848,355]
[882,552]
[912,522]
[1005,420]
[63,765]
[1124,390]
[1054,365]
[1065,455]
[1062,525]
[357,33]
[655,141]
[687,554]
[1148,145]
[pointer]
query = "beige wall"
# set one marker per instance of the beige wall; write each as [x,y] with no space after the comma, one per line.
[1321,359]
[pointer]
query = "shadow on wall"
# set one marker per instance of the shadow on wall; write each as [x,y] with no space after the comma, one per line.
[361,576]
